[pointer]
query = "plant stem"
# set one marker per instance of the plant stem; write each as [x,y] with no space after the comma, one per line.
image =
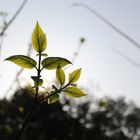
[64,86]
[19,134]
[59,90]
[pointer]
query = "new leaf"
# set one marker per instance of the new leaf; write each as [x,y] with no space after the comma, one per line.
[23,61]
[74,92]
[60,76]
[74,76]
[37,82]
[54,62]
[39,40]
[53,98]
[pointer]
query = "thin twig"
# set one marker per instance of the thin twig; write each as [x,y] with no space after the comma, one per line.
[7,24]
[76,53]
[56,92]
[126,58]
[115,28]
[13,18]
[16,80]
[1,43]
[19,133]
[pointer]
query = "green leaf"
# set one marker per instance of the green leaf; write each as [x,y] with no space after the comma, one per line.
[74,92]
[60,76]
[40,82]
[43,54]
[74,76]
[23,61]
[35,78]
[54,62]
[53,98]
[39,40]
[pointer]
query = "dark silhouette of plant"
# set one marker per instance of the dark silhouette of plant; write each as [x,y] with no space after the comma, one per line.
[104,119]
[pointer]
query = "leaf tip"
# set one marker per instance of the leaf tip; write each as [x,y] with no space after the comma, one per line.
[5,59]
[37,23]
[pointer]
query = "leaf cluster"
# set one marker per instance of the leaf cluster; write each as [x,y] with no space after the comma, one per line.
[69,88]
[39,43]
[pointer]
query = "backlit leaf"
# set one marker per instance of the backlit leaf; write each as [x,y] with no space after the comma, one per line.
[23,61]
[74,76]
[60,76]
[40,82]
[53,98]
[54,62]
[43,54]
[39,40]
[35,79]
[74,92]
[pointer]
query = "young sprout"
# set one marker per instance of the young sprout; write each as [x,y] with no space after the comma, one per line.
[39,43]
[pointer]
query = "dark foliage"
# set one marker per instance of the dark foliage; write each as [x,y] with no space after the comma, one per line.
[108,120]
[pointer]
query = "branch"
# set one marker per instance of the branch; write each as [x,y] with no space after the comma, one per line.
[76,53]
[7,24]
[13,18]
[56,92]
[127,58]
[19,133]
[115,28]
[16,79]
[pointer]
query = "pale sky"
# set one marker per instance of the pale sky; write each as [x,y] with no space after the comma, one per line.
[64,25]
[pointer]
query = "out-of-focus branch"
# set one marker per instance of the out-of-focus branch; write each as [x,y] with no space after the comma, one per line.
[3,24]
[16,81]
[115,28]
[134,63]
[76,53]
[13,18]
[6,24]
[1,42]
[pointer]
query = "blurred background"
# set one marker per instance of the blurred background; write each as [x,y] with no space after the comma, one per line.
[102,38]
